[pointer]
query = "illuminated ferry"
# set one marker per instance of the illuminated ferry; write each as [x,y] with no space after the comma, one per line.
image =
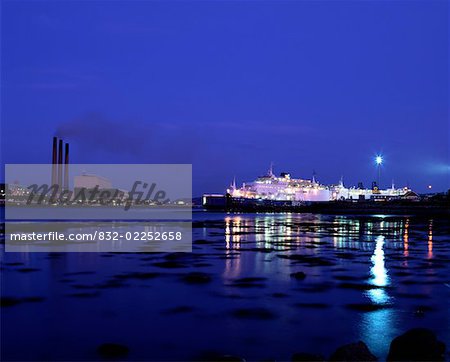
[286,190]
[283,188]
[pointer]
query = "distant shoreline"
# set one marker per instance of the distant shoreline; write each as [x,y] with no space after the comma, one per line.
[334,207]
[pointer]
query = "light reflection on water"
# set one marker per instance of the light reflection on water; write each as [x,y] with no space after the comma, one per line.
[378,326]
[405,239]
[379,273]
[354,252]
[430,240]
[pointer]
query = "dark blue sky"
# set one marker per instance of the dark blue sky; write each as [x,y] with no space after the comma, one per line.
[231,86]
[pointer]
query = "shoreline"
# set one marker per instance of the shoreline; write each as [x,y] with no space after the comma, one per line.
[332,207]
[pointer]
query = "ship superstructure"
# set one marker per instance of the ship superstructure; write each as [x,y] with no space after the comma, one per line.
[286,188]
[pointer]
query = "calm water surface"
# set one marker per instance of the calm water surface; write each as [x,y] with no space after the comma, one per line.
[367,278]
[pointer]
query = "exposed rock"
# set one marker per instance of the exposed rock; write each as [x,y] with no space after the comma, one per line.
[368,307]
[112,350]
[203,242]
[254,313]
[33,299]
[306,357]
[196,278]
[169,264]
[311,305]
[84,295]
[417,344]
[179,310]
[28,270]
[308,259]
[9,301]
[248,282]
[353,352]
[137,275]
[230,358]
[218,357]
[298,275]
[280,295]
[360,286]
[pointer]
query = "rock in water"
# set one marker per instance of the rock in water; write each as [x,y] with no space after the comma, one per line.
[196,278]
[230,358]
[353,352]
[417,344]
[112,351]
[218,357]
[307,357]
[298,275]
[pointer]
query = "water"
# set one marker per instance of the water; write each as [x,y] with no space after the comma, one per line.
[367,278]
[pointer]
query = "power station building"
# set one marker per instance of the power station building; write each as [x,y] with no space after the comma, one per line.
[91,181]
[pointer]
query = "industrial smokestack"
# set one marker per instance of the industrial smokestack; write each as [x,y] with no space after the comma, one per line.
[54,167]
[60,161]
[66,167]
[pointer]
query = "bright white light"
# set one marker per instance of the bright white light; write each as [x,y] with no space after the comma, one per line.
[379,160]
[380,277]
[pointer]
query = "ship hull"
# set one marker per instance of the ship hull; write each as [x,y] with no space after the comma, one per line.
[393,207]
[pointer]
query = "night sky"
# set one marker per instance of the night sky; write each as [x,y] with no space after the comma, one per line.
[232,86]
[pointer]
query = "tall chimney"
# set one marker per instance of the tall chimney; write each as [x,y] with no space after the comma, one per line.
[60,161]
[66,167]
[54,167]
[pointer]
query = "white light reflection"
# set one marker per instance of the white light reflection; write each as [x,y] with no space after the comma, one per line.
[378,326]
[232,244]
[233,229]
[380,277]
[272,232]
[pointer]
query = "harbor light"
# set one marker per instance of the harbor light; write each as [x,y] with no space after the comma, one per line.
[379,161]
